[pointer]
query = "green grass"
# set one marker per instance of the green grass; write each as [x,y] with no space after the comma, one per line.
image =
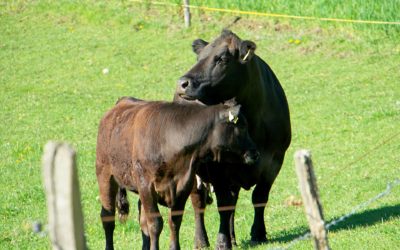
[342,85]
[366,10]
[356,9]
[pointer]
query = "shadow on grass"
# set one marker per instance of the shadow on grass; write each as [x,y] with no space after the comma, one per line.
[363,219]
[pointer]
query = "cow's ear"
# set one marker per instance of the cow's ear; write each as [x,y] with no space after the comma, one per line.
[230,115]
[246,51]
[198,45]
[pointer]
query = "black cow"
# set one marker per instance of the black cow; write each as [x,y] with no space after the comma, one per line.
[154,149]
[227,68]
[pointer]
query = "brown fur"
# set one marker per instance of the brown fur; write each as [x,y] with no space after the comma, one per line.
[152,148]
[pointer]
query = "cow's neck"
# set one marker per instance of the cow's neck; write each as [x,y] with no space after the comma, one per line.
[253,95]
[199,126]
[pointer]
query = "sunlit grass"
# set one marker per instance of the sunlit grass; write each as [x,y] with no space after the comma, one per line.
[342,85]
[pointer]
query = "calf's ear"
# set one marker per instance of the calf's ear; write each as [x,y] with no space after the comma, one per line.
[246,51]
[231,102]
[230,115]
[198,45]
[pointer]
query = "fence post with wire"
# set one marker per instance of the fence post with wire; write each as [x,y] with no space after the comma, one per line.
[186,13]
[65,212]
[312,204]
[61,184]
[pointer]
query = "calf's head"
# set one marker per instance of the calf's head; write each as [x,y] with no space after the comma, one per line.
[230,140]
[219,72]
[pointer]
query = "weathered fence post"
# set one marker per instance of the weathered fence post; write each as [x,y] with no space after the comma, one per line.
[186,12]
[65,216]
[312,204]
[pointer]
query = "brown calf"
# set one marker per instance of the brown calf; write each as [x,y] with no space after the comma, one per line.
[153,149]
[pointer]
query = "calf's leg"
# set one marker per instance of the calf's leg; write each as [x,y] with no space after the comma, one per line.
[108,221]
[175,220]
[153,218]
[226,207]
[149,208]
[235,195]
[108,192]
[143,227]
[198,198]
[122,204]
[154,222]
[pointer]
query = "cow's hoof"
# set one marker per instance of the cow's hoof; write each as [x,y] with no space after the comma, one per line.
[223,243]
[258,239]
[258,234]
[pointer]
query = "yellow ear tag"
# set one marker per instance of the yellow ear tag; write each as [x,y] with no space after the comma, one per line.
[233,118]
[247,55]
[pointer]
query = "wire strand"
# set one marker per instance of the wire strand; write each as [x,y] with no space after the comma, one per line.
[255,13]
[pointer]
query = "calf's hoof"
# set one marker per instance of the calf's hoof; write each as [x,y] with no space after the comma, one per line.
[223,243]
[201,243]
[233,241]
[174,247]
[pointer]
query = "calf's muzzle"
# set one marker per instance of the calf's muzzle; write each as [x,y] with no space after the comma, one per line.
[251,157]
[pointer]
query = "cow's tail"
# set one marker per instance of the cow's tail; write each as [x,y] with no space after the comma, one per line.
[122,205]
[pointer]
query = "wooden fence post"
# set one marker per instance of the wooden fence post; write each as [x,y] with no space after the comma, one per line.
[186,12]
[65,216]
[312,204]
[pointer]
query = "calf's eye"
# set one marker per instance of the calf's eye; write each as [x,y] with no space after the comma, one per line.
[221,59]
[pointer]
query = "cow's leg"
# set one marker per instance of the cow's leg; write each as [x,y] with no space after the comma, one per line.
[260,199]
[175,220]
[143,227]
[108,191]
[226,207]
[235,195]
[198,197]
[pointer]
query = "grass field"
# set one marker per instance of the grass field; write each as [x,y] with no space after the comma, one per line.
[342,82]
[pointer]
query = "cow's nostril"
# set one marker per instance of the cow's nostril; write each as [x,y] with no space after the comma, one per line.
[184,84]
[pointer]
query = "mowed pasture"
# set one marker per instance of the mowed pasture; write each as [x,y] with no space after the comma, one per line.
[342,82]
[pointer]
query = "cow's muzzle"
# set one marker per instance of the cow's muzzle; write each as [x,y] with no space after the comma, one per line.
[184,83]
[186,88]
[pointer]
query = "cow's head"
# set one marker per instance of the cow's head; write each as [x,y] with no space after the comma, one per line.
[230,140]
[219,72]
